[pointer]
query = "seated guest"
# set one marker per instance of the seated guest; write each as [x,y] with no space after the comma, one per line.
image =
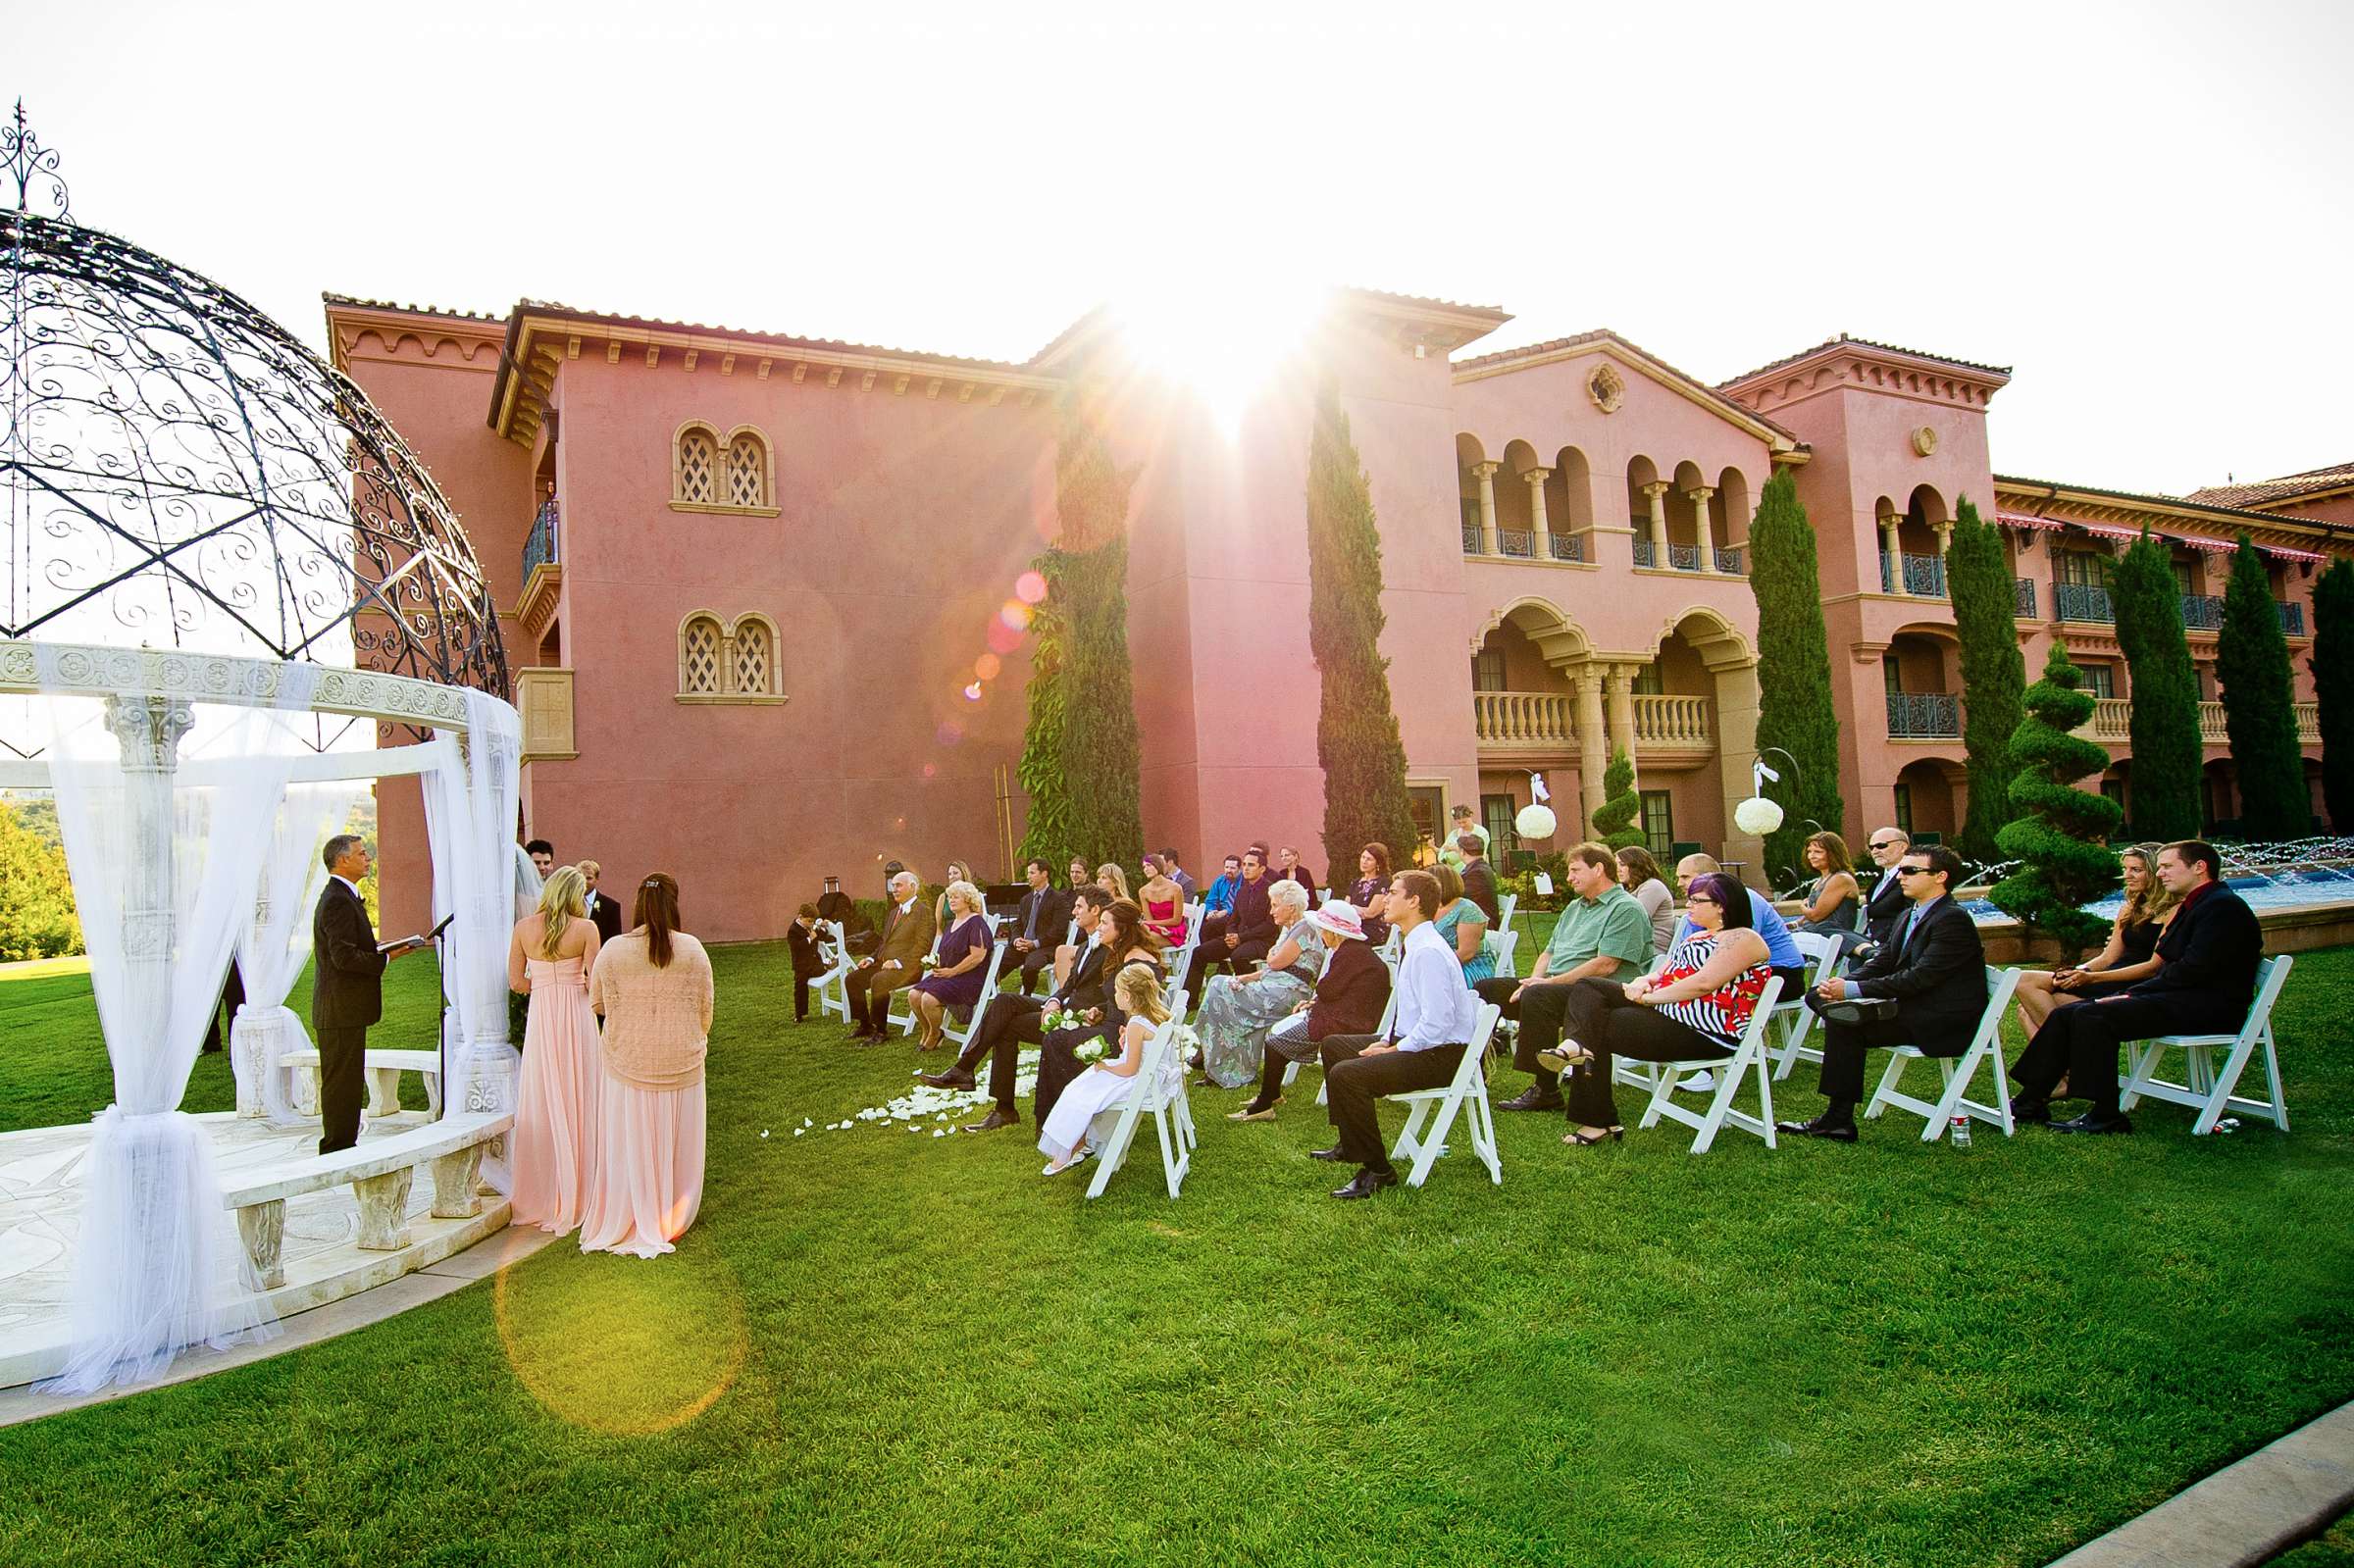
[1888,904]
[1463,927]
[1163,902]
[1040,921]
[1179,875]
[1427,1041]
[800,939]
[1463,823]
[1370,892]
[1113,879]
[1121,932]
[2131,956]
[961,963]
[1249,927]
[1934,968]
[1063,1129]
[896,964]
[1639,874]
[1833,899]
[1350,998]
[2204,985]
[1479,878]
[1013,1021]
[1692,1010]
[942,920]
[1788,962]
[1217,905]
[1602,935]
[1081,876]
[603,912]
[1291,870]
[1237,1010]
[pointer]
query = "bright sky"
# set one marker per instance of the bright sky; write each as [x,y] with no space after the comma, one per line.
[2143,208]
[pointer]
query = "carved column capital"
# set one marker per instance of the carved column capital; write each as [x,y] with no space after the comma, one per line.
[149,730]
[1699,494]
[1485,471]
[1657,488]
[1536,475]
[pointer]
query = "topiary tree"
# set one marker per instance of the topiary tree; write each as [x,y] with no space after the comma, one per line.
[2333,666]
[1993,674]
[2061,835]
[2165,713]
[37,897]
[1046,831]
[1101,754]
[1357,733]
[1794,670]
[1616,819]
[2260,712]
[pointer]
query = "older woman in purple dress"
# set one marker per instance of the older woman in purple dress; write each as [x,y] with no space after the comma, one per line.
[959,962]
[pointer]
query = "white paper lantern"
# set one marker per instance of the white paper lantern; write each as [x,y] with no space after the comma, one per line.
[1535,822]
[1758,816]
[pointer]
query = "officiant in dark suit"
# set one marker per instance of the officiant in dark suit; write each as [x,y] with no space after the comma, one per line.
[348,991]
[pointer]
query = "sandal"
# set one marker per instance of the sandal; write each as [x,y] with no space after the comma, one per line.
[1563,1057]
[1265,1113]
[1587,1137]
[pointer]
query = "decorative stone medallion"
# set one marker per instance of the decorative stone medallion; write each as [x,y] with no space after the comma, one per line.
[1606,387]
[1924,442]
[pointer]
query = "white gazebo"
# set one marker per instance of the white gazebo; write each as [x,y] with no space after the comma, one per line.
[230,597]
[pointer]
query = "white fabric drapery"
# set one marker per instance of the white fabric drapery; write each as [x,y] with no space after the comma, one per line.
[166,808]
[470,815]
[277,943]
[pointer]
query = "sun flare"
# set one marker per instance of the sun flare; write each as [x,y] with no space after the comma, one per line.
[1223,336]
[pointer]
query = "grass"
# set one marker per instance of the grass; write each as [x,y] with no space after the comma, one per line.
[878,1346]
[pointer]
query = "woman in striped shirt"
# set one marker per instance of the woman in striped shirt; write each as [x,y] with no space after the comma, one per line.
[1694,1009]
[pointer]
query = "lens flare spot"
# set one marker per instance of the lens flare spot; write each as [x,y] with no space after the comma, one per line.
[949,733]
[1016,614]
[567,1323]
[1031,587]
[1003,638]
[987,666]
[930,770]
[972,692]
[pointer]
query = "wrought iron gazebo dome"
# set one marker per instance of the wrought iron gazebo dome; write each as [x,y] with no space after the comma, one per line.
[182,472]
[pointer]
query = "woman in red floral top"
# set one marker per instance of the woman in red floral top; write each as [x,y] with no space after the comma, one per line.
[1694,1009]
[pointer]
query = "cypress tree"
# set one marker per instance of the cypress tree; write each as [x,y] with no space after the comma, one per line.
[1357,733]
[2260,715]
[1047,830]
[2164,714]
[2333,666]
[1614,820]
[2060,836]
[1102,756]
[1794,670]
[1994,676]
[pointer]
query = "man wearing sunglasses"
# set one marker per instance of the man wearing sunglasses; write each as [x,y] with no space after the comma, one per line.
[1887,903]
[1933,967]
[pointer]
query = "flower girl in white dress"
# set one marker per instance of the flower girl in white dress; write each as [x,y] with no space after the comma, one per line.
[1063,1139]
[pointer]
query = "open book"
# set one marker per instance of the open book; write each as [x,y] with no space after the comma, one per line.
[416,941]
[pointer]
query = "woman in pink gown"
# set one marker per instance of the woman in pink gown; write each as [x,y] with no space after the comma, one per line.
[556,1097]
[653,986]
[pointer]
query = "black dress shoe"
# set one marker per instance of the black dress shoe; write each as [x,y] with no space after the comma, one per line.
[1819,1127]
[2095,1122]
[859,1037]
[997,1117]
[953,1078]
[1333,1153]
[1366,1184]
[2032,1110]
[1533,1098]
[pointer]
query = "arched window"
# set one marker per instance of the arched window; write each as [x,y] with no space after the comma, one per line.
[699,667]
[756,661]
[695,479]
[748,471]
[729,663]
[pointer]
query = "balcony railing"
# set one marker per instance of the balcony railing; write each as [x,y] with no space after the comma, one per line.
[1645,555]
[540,546]
[1684,557]
[1672,721]
[2024,609]
[1729,562]
[1540,719]
[2202,612]
[1923,715]
[1567,546]
[1523,544]
[1471,539]
[1519,543]
[1924,575]
[2083,601]
[2292,618]
[2111,721]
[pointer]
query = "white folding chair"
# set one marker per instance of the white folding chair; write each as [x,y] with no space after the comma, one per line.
[1466,1094]
[1389,1016]
[2207,1090]
[833,986]
[960,1036]
[1797,1019]
[1640,1074]
[1986,1045]
[1160,1091]
[1500,945]
[1180,962]
[1748,1060]
[1504,910]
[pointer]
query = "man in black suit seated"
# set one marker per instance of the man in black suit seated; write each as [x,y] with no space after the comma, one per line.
[346,989]
[2209,954]
[1249,931]
[603,911]
[1933,966]
[1040,921]
[1013,1021]
[1887,903]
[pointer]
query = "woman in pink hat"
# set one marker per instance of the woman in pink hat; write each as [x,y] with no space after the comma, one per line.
[1350,999]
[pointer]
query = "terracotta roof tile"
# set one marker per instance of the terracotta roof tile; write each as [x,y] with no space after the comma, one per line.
[334,298]
[1866,343]
[1602,335]
[2288,487]
[834,344]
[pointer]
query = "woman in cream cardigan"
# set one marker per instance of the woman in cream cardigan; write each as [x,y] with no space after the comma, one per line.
[652,983]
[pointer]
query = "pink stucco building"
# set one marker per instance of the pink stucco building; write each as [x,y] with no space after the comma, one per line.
[762,591]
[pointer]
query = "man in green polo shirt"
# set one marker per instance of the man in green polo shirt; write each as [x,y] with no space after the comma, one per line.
[1604,935]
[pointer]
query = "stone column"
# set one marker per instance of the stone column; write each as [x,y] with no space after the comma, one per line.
[1894,552]
[1592,756]
[1619,685]
[1542,535]
[1485,472]
[1945,537]
[1658,490]
[1699,496]
[148,731]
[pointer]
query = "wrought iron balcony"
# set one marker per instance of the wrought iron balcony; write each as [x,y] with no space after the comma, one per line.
[1471,539]
[540,546]
[1924,575]
[2083,601]
[1569,546]
[1923,715]
[2292,618]
[1684,557]
[1729,562]
[1645,555]
[1519,543]
[2024,609]
[2202,612]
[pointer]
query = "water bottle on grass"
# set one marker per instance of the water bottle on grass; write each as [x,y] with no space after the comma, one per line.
[1961,1131]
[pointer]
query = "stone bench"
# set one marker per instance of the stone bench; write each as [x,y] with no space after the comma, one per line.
[380,1171]
[384,1068]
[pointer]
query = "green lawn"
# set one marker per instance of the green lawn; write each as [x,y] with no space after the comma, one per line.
[878,1346]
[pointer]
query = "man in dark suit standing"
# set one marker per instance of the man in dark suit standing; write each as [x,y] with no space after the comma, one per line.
[1040,921]
[346,989]
[2206,985]
[1933,967]
[603,911]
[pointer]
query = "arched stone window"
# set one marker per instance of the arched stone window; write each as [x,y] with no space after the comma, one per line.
[694,475]
[755,657]
[699,650]
[710,472]
[748,471]
[735,662]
